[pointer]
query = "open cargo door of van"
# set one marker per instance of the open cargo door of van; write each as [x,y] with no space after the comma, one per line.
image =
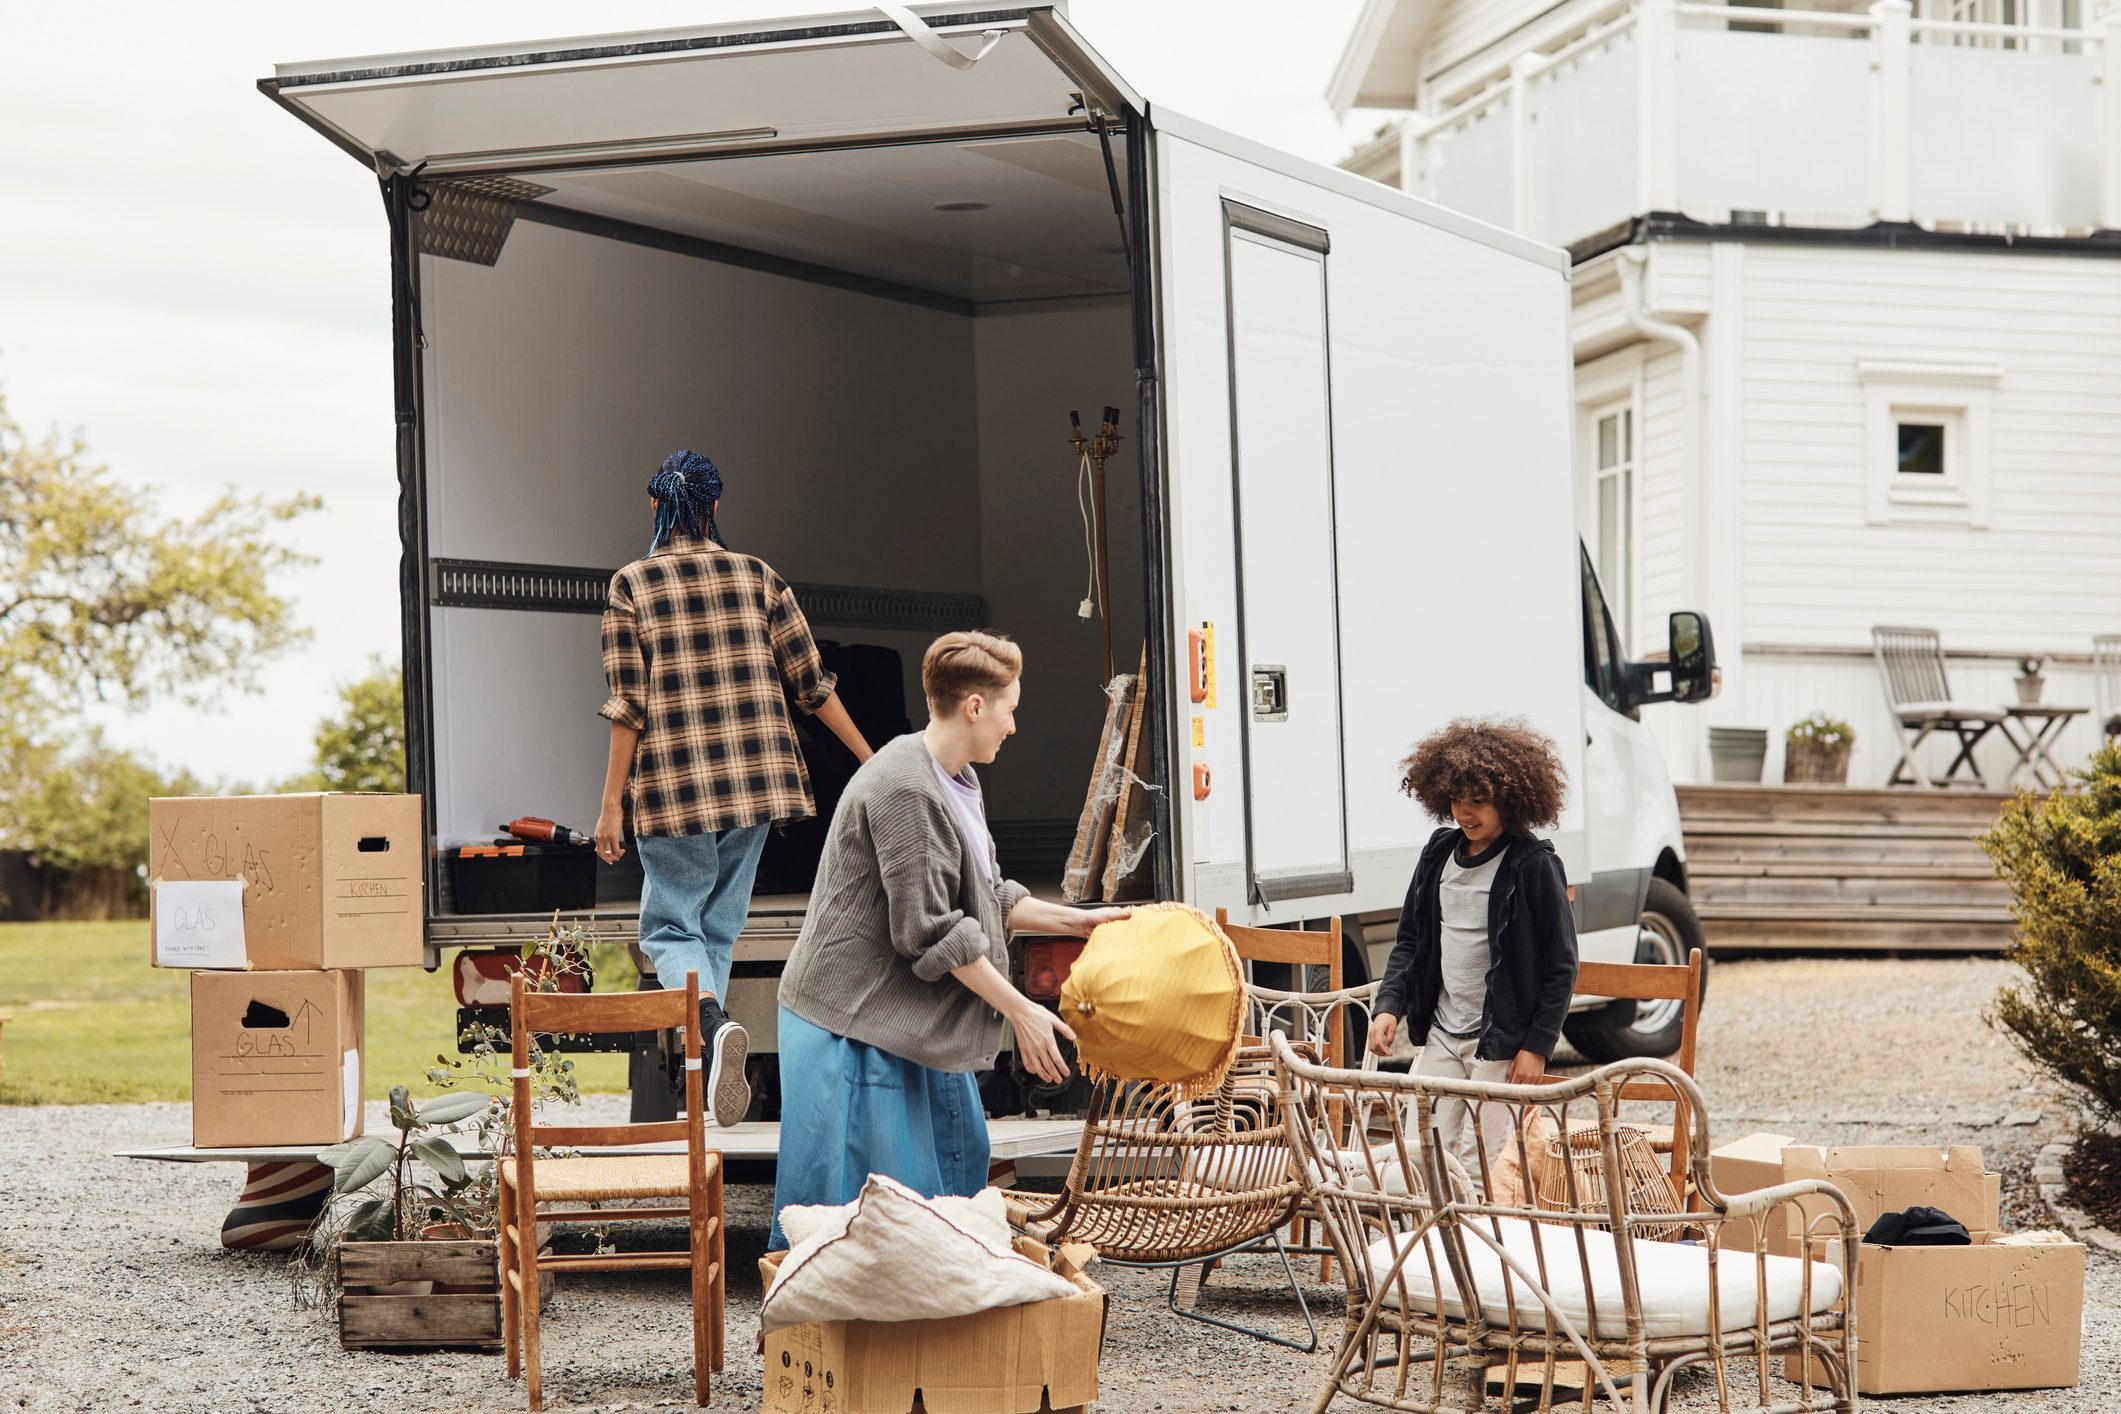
[817,82]
[1367,411]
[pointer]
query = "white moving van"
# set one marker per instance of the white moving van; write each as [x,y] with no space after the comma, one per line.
[870,264]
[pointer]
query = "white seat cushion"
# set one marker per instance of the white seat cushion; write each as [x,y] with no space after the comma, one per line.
[1948,711]
[1673,1278]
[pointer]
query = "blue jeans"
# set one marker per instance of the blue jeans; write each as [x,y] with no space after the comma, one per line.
[849,1110]
[697,896]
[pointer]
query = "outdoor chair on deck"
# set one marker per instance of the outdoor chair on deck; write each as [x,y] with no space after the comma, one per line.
[585,1182]
[1442,1284]
[2106,682]
[1159,1180]
[1918,699]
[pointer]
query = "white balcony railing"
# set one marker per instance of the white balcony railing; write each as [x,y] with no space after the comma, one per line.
[1798,117]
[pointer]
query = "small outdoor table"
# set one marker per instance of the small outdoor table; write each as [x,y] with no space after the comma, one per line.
[2032,730]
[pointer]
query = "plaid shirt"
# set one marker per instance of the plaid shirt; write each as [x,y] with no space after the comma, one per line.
[697,642]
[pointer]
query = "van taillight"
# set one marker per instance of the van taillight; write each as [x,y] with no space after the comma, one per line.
[1047,962]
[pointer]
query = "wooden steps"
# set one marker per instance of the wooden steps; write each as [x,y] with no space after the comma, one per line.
[1824,867]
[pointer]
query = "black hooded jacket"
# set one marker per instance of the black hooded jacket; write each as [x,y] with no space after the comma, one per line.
[1531,947]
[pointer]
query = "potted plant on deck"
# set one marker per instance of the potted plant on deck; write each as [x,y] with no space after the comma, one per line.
[1816,752]
[2029,681]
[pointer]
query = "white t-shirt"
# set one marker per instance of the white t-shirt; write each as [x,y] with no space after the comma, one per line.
[1463,900]
[963,796]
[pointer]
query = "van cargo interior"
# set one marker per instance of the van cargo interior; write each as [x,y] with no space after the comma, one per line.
[879,346]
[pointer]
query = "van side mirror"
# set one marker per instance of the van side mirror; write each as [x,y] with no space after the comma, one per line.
[1689,661]
[1693,658]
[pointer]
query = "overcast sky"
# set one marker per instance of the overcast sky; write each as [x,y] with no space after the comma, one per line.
[198,285]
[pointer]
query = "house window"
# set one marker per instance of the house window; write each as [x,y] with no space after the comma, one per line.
[1613,487]
[1921,448]
[1927,443]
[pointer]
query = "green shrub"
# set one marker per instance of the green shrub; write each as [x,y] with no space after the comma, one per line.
[2061,857]
[1829,732]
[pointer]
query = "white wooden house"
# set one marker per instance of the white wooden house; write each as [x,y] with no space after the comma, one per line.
[1847,318]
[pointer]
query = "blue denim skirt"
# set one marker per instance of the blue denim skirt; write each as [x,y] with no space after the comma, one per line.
[849,1110]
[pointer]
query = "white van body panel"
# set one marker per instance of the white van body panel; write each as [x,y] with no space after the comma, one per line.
[1454,532]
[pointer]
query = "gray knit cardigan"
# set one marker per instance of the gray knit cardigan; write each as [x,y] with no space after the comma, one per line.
[898,904]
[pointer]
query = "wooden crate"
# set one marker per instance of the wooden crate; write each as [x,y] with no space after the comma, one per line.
[463,1309]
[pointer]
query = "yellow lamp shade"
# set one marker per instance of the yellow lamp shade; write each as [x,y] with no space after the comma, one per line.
[1157,996]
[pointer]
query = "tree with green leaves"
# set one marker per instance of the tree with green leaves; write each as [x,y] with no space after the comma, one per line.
[2061,856]
[106,598]
[362,747]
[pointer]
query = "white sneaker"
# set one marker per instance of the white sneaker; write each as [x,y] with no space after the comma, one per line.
[724,1046]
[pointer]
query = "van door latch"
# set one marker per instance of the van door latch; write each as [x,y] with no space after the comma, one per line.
[1270,692]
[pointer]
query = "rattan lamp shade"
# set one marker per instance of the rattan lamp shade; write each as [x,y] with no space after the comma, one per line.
[1156,997]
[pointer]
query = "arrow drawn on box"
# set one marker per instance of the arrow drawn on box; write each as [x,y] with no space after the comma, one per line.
[308,1010]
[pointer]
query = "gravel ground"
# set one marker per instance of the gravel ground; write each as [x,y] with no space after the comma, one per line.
[115,1296]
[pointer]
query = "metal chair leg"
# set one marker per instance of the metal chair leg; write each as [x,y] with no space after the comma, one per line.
[1296,1288]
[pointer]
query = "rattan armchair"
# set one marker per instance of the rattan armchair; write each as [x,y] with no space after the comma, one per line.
[1443,1284]
[1163,1181]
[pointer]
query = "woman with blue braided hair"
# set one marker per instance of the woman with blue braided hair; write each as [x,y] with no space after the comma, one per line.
[698,642]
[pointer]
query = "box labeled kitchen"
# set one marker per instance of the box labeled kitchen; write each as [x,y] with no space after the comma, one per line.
[1988,1315]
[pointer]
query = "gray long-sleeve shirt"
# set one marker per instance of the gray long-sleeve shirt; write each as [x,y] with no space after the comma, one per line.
[898,904]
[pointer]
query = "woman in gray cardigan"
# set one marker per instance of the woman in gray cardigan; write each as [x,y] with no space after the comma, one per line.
[897,989]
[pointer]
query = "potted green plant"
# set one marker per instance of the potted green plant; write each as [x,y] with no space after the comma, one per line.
[2029,681]
[1816,751]
[406,1249]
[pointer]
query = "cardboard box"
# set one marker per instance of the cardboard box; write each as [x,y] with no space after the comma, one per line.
[1743,1166]
[1982,1317]
[275,1058]
[1035,1359]
[328,880]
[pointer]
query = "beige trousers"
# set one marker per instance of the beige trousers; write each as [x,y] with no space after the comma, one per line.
[1452,1058]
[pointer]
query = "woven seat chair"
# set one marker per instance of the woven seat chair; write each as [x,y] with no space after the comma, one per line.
[581,1182]
[1918,701]
[1442,1284]
[1159,1180]
[2106,682]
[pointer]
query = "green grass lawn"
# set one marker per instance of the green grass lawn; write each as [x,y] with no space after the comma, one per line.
[94,1024]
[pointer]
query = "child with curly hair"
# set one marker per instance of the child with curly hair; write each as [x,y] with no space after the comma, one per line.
[1485,963]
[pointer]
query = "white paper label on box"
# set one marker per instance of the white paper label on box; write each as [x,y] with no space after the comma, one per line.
[199,923]
[350,1104]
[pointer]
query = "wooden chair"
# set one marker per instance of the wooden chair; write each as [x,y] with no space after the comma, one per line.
[1649,982]
[1444,1284]
[1918,698]
[1160,1181]
[2106,682]
[580,1183]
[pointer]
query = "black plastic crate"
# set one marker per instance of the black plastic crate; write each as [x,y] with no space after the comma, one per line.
[522,878]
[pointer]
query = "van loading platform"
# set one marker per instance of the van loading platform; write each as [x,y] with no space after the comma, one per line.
[1787,867]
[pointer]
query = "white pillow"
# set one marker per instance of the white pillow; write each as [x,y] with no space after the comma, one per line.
[896,1256]
[984,1213]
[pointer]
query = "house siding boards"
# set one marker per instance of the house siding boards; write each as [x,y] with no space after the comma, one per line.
[1816,572]
[1462,28]
[2041,576]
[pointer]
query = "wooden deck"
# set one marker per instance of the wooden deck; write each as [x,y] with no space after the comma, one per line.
[1830,867]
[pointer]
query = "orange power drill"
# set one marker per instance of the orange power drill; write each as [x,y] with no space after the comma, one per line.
[531,827]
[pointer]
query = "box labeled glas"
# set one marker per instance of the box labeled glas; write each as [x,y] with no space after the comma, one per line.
[328,880]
